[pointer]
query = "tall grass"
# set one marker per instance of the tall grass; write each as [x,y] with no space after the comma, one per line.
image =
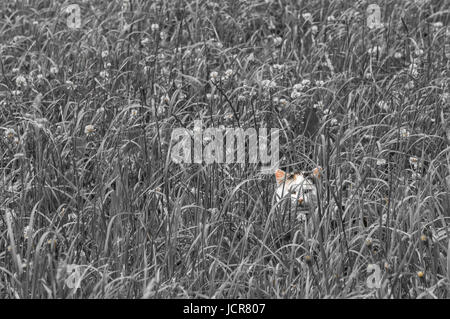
[87,183]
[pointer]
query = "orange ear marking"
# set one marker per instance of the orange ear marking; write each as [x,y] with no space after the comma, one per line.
[317,172]
[279,175]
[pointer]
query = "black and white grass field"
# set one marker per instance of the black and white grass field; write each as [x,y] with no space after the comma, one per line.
[92,204]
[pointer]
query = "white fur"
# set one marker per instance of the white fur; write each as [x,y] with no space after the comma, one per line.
[301,190]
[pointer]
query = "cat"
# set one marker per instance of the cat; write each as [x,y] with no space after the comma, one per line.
[300,188]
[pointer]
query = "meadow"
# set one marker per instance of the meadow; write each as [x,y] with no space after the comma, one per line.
[92,206]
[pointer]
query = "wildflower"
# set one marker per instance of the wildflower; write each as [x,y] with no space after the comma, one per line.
[307,16]
[278,67]
[213,76]
[404,132]
[318,105]
[100,110]
[283,102]
[383,105]
[39,78]
[219,45]
[409,85]
[241,98]
[368,75]
[54,69]
[10,133]
[398,55]
[268,84]
[89,130]
[145,41]
[418,51]
[314,29]
[228,74]
[15,70]
[306,82]
[381,161]
[420,274]
[21,81]
[134,113]
[423,237]
[277,41]
[331,18]
[105,54]
[320,83]
[334,121]
[295,95]
[154,27]
[70,84]
[27,232]
[104,74]
[374,50]
[413,69]
[369,242]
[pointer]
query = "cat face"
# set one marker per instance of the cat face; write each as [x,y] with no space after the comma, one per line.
[298,186]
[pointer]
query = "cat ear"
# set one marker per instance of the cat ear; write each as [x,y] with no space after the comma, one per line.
[279,175]
[317,172]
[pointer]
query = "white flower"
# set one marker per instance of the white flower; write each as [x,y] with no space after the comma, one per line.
[134,113]
[278,67]
[219,45]
[383,105]
[334,122]
[318,105]
[314,29]
[277,41]
[154,27]
[295,94]
[320,83]
[268,84]
[228,73]
[21,81]
[16,92]
[374,50]
[105,54]
[15,70]
[398,55]
[89,129]
[404,132]
[413,69]
[306,82]
[307,16]
[104,74]
[368,75]
[418,51]
[437,26]
[241,98]
[10,133]
[144,41]
[213,75]
[27,232]
[381,161]
[54,69]
[331,18]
